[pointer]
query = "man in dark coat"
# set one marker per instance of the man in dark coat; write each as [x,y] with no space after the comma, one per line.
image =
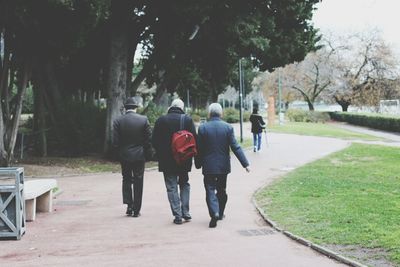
[215,137]
[257,127]
[132,139]
[174,174]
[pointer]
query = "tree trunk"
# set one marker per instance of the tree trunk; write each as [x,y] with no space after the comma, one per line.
[5,68]
[129,66]
[310,105]
[345,107]
[118,64]
[160,91]
[343,102]
[25,71]
[40,121]
[3,152]
[148,66]
[3,88]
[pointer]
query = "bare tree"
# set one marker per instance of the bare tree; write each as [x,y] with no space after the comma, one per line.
[268,83]
[365,70]
[311,77]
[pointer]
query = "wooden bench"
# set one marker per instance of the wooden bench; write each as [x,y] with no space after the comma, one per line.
[38,197]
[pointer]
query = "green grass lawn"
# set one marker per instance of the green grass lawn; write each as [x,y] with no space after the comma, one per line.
[349,198]
[320,129]
[247,142]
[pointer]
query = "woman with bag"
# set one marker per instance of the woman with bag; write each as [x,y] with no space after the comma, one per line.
[257,127]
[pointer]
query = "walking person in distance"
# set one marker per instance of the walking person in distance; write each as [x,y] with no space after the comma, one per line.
[257,127]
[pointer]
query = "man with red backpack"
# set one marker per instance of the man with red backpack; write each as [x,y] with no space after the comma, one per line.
[174,140]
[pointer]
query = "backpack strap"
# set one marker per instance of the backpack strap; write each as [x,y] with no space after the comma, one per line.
[182,124]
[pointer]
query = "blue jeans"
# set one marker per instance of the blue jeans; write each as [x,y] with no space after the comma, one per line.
[257,140]
[216,202]
[179,202]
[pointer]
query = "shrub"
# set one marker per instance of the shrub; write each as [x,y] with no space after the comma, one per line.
[196,118]
[153,112]
[231,115]
[246,115]
[27,103]
[81,131]
[319,117]
[299,115]
[198,114]
[391,124]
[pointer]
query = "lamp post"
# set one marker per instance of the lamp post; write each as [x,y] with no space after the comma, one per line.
[280,97]
[241,99]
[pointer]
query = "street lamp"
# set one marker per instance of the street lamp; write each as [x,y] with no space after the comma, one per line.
[241,85]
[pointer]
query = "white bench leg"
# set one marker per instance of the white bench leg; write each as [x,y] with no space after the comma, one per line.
[30,209]
[45,202]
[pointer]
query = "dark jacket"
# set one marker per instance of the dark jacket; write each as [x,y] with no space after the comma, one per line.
[164,128]
[132,137]
[257,123]
[215,137]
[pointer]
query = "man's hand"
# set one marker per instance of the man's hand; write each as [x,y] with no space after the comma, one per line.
[247,169]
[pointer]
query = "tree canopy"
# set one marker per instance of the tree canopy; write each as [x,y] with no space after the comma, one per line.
[81,50]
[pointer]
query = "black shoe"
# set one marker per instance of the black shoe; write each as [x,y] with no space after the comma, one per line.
[221,217]
[136,214]
[187,217]
[177,221]
[129,211]
[213,222]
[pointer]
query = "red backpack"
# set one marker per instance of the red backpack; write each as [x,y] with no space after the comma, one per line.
[183,144]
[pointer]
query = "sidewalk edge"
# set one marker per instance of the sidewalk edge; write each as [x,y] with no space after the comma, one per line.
[320,249]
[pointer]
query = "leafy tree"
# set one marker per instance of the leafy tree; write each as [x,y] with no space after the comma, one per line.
[186,44]
[271,34]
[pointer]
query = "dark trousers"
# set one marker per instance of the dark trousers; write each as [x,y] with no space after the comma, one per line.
[132,177]
[216,196]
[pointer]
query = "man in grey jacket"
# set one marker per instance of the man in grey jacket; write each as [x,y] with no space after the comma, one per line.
[132,139]
[215,137]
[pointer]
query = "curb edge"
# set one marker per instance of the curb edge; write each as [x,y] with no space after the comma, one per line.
[320,249]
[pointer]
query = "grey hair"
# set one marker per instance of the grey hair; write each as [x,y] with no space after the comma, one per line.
[178,103]
[215,110]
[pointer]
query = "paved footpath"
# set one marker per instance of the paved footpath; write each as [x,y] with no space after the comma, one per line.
[88,227]
[390,138]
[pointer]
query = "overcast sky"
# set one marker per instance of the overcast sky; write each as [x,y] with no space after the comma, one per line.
[344,16]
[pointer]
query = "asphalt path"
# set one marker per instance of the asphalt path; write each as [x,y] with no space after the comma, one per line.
[89,227]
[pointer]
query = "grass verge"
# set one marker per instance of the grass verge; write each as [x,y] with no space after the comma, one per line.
[247,143]
[61,166]
[351,198]
[320,129]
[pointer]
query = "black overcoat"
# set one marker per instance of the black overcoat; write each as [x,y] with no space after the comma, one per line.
[132,137]
[164,128]
[257,123]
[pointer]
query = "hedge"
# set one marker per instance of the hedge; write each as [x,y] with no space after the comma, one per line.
[391,124]
[232,115]
[299,115]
